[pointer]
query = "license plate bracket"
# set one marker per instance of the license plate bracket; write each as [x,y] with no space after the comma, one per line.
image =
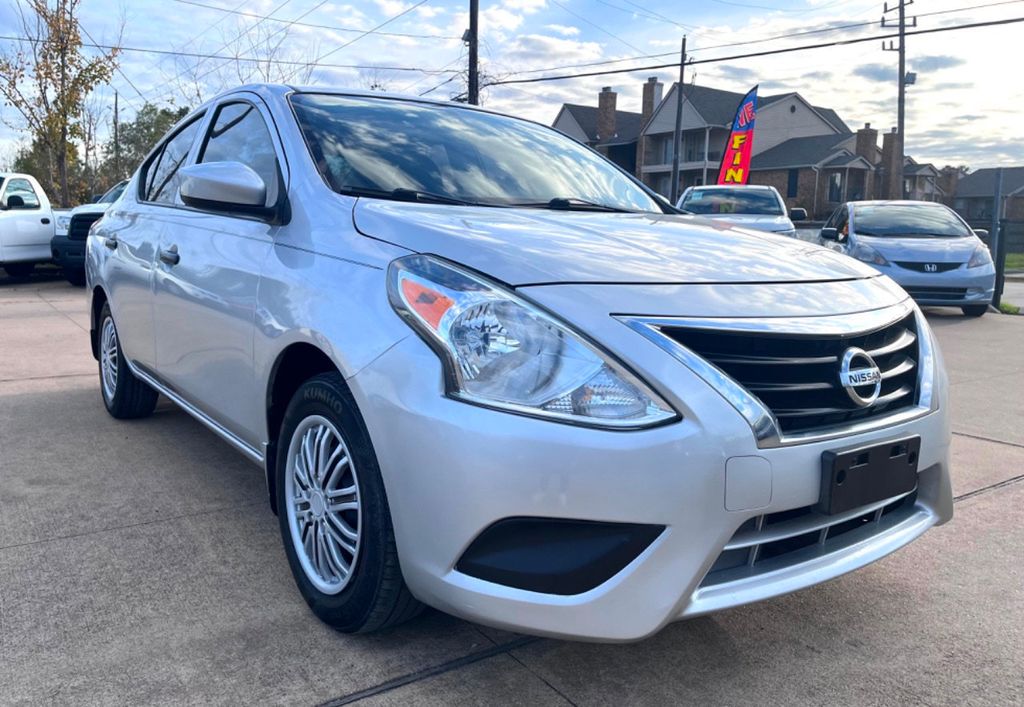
[857,477]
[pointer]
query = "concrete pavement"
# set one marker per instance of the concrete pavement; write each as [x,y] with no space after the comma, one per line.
[140,564]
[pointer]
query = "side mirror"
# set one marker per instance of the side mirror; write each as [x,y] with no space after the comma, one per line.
[981,233]
[798,214]
[224,187]
[830,234]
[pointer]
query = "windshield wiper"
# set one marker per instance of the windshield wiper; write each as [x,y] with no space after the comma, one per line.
[403,194]
[570,204]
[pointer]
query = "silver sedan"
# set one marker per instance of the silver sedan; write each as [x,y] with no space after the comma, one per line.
[486,370]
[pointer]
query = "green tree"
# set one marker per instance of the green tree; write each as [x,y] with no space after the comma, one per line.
[46,79]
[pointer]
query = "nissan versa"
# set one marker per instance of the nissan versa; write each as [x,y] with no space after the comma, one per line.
[486,370]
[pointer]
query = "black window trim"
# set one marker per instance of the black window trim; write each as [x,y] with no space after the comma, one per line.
[200,117]
[277,213]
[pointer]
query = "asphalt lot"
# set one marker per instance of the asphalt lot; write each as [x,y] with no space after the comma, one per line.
[139,563]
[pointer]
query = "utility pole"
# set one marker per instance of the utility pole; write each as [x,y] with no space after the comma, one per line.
[997,238]
[474,67]
[117,141]
[901,81]
[677,137]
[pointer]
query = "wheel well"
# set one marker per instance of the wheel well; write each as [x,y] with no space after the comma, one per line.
[294,366]
[99,298]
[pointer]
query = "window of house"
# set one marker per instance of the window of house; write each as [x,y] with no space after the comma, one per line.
[792,182]
[835,187]
[162,177]
[22,188]
[239,134]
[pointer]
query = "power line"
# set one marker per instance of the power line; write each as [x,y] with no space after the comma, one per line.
[365,33]
[770,52]
[333,28]
[224,57]
[821,30]
[116,67]
[596,26]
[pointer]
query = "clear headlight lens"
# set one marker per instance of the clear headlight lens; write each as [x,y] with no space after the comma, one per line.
[980,256]
[503,352]
[867,254]
[63,224]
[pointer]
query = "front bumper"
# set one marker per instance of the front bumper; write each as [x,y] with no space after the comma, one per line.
[68,254]
[452,470]
[958,287]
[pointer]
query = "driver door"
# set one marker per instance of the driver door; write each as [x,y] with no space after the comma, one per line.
[25,228]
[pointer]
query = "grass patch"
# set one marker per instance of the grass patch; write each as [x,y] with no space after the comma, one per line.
[1015,261]
[1007,308]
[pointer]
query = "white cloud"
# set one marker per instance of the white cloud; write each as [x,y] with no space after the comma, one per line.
[564,30]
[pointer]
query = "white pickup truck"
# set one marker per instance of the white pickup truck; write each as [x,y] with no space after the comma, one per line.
[27,224]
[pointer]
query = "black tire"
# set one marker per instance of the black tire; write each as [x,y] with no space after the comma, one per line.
[129,398]
[75,277]
[974,310]
[375,596]
[19,270]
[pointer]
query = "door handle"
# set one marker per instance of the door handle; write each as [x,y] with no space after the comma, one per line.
[111,242]
[170,256]
[46,221]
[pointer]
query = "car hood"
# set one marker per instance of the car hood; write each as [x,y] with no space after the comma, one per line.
[537,246]
[929,250]
[89,209]
[758,222]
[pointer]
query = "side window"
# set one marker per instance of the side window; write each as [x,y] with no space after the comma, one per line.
[834,218]
[239,134]
[841,222]
[22,188]
[162,179]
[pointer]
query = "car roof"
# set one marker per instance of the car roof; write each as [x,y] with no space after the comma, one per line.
[896,202]
[759,187]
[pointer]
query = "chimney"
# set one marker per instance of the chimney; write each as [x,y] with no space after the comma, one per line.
[606,113]
[651,98]
[867,143]
[891,188]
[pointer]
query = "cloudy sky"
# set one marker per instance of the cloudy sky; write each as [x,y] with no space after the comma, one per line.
[962,109]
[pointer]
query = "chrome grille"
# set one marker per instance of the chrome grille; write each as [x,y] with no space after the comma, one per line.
[796,376]
[922,267]
[776,540]
[78,229]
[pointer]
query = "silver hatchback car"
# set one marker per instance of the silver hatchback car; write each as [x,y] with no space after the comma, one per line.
[486,370]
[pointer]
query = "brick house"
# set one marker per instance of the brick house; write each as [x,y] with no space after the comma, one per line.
[975,195]
[805,151]
[611,132]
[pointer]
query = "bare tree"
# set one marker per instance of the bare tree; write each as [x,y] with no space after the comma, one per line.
[253,52]
[46,79]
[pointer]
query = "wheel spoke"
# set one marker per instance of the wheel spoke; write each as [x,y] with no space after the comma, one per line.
[324,507]
[342,533]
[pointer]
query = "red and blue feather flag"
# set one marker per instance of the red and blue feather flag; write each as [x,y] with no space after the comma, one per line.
[735,167]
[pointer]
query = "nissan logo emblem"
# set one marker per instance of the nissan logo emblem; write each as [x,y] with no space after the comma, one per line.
[860,377]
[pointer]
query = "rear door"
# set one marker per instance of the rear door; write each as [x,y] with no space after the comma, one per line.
[207,281]
[26,227]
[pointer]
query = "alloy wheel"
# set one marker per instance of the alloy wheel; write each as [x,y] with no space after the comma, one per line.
[324,512]
[108,359]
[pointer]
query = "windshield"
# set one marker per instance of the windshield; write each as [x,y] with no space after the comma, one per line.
[915,220]
[402,149]
[732,201]
[111,196]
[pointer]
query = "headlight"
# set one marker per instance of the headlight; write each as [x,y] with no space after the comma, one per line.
[980,257]
[867,254]
[63,223]
[791,232]
[500,351]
